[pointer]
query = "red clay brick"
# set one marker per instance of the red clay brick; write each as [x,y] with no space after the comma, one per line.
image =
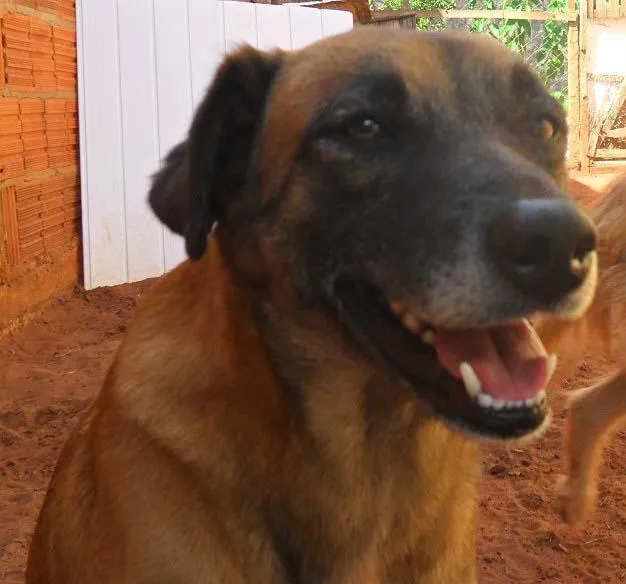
[55,106]
[43,50]
[54,218]
[28,213]
[7,196]
[14,21]
[44,79]
[36,161]
[40,28]
[66,159]
[47,4]
[11,166]
[64,34]
[10,126]
[29,227]
[52,205]
[18,44]
[19,79]
[34,141]
[64,49]
[28,190]
[31,106]
[9,106]
[32,122]
[2,74]
[52,184]
[43,63]
[66,84]
[32,238]
[18,59]
[56,138]
[32,250]
[10,145]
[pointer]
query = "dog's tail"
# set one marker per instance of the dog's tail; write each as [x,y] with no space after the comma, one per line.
[169,193]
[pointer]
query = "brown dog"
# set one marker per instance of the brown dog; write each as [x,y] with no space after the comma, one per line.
[296,404]
[596,411]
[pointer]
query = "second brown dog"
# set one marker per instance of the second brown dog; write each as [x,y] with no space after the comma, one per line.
[596,411]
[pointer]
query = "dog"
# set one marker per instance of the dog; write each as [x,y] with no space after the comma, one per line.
[369,221]
[596,411]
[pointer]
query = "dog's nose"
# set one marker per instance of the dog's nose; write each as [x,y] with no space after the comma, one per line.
[544,247]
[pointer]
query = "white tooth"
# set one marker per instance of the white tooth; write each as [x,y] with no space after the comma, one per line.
[541,397]
[470,379]
[498,404]
[485,400]
[519,403]
[410,322]
[428,337]
[529,402]
[551,367]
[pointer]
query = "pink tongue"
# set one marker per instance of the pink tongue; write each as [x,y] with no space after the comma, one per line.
[510,361]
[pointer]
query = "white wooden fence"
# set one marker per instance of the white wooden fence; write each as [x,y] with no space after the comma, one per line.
[143,67]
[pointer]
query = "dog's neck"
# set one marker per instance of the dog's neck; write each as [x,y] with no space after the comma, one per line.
[297,395]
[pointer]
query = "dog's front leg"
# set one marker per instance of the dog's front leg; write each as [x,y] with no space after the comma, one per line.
[593,413]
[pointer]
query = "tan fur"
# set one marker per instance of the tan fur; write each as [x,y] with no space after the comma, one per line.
[155,523]
[199,462]
[595,412]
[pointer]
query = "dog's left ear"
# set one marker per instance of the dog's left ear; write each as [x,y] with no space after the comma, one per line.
[199,176]
[222,138]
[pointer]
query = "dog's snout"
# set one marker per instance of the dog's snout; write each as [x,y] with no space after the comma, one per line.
[544,247]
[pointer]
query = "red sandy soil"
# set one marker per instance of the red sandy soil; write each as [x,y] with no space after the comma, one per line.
[50,371]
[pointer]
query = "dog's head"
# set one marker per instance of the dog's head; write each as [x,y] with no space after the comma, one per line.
[410,186]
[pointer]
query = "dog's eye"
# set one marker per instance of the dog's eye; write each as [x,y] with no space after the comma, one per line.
[363,128]
[544,128]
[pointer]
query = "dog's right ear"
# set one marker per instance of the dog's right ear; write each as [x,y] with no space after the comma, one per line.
[203,175]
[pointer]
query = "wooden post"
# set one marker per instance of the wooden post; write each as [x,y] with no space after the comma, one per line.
[586,8]
[573,86]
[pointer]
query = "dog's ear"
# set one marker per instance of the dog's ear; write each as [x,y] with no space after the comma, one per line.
[220,146]
[190,192]
[169,193]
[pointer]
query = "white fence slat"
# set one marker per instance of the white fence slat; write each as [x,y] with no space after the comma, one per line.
[239,25]
[206,45]
[144,239]
[336,22]
[173,72]
[273,27]
[306,26]
[83,103]
[104,221]
[144,66]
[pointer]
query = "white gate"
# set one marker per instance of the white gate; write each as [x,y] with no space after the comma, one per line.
[143,67]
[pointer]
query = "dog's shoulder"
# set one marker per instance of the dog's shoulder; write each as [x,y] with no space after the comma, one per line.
[178,331]
[190,333]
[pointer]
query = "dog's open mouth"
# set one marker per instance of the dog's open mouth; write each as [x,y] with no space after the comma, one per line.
[490,381]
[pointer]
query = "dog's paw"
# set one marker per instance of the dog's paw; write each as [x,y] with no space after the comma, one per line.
[576,500]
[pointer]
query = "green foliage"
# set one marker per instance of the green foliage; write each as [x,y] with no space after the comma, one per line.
[543,45]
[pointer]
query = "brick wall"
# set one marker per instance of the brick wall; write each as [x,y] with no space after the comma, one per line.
[39,161]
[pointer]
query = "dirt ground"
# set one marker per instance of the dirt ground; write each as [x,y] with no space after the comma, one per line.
[50,371]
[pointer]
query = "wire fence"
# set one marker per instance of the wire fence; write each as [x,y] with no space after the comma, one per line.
[538,30]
